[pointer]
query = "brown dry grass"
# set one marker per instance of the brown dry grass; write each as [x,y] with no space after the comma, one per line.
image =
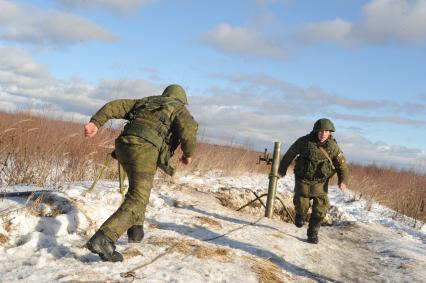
[208,221]
[3,239]
[230,159]
[45,205]
[154,226]
[403,191]
[131,252]
[41,151]
[7,222]
[191,247]
[46,152]
[266,271]
[235,198]
[34,206]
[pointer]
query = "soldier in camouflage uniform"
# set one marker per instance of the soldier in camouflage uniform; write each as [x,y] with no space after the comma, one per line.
[156,127]
[318,158]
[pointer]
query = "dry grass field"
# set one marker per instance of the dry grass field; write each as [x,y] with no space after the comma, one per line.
[46,152]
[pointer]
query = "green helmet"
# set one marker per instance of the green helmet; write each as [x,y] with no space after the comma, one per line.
[177,92]
[324,125]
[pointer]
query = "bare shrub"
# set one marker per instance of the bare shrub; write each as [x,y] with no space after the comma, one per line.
[403,191]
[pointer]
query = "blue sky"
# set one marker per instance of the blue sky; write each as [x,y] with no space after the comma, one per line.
[255,71]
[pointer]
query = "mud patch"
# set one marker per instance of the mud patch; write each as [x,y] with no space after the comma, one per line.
[208,221]
[190,247]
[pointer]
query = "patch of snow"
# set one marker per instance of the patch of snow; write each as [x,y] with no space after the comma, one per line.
[191,237]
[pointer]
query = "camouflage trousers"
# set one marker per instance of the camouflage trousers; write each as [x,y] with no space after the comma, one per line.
[304,193]
[140,163]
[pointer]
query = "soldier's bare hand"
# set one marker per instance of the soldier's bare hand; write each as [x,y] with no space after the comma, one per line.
[343,187]
[90,130]
[186,160]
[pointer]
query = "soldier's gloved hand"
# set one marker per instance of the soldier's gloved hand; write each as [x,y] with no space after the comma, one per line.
[90,130]
[343,187]
[185,160]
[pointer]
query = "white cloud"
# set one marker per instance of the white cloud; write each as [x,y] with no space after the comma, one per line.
[112,5]
[125,88]
[390,20]
[380,119]
[16,61]
[358,148]
[245,41]
[335,31]
[26,84]
[279,95]
[28,24]
[255,110]
[223,119]
[261,109]
[383,22]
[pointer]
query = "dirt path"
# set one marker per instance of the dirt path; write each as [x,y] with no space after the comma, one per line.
[354,252]
[361,253]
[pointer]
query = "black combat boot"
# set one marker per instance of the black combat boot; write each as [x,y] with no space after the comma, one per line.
[299,221]
[135,234]
[103,246]
[313,229]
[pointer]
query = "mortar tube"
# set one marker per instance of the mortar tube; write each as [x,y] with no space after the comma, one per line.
[273,178]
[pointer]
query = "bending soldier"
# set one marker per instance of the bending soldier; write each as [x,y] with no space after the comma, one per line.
[318,158]
[157,125]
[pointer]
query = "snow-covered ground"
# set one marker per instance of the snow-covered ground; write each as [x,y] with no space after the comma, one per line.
[193,233]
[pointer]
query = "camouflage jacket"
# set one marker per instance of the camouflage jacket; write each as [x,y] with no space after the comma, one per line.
[312,165]
[163,121]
